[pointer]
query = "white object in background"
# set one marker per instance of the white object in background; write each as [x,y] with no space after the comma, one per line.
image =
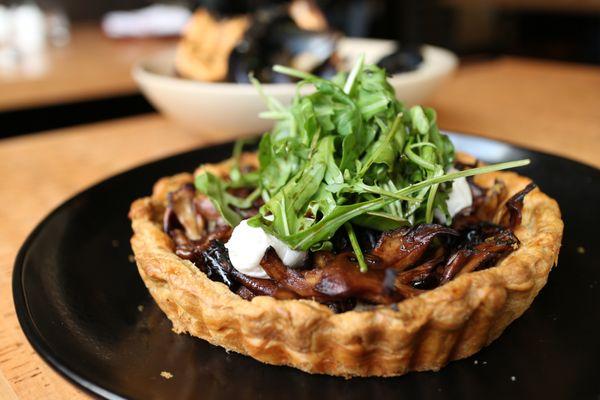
[5,29]
[59,28]
[248,245]
[232,108]
[33,65]
[155,20]
[28,28]
[8,55]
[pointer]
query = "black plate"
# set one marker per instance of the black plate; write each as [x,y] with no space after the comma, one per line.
[77,296]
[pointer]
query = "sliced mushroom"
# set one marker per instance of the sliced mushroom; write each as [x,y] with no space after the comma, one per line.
[422,276]
[288,278]
[403,247]
[343,279]
[193,249]
[181,212]
[480,245]
[511,214]
[339,279]
[454,264]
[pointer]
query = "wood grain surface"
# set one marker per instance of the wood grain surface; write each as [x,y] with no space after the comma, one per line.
[91,66]
[548,106]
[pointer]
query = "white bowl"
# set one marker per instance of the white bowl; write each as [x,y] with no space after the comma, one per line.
[232,108]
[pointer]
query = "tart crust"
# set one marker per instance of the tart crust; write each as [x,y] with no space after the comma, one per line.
[425,332]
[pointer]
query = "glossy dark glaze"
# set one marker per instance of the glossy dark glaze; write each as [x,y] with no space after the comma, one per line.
[77,297]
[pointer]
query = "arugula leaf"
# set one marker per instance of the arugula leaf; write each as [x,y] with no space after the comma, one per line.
[380,221]
[420,123]
[356,247]
[214,188]
[383,150]
[288,205]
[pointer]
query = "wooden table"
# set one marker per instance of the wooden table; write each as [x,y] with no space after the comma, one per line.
[91,66]
[549,106]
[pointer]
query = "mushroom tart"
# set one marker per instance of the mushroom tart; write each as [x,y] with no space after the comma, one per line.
[354,241]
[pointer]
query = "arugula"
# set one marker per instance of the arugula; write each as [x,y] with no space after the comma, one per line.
[347,154]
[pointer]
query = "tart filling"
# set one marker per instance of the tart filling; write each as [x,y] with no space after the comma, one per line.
[402,263]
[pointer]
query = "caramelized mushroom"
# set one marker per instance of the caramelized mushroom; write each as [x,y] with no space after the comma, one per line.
[403,247]
[478,246]
[193,249]
[422,276]
[339,279]
[511,215]
[182,213]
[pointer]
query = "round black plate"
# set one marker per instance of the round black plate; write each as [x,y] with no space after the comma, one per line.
[78,298]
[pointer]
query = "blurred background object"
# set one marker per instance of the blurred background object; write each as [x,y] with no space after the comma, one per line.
[28,28]
[219,46]
[58,27]
[54,55]
[225,51]
[155,20]
[558,29]
[25,31]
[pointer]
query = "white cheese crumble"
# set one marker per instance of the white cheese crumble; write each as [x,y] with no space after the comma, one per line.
[248,245]
[460,197]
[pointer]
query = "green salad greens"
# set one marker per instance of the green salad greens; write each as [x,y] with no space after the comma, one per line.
[348,154]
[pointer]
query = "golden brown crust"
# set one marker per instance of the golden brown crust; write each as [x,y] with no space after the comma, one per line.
[421,333]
